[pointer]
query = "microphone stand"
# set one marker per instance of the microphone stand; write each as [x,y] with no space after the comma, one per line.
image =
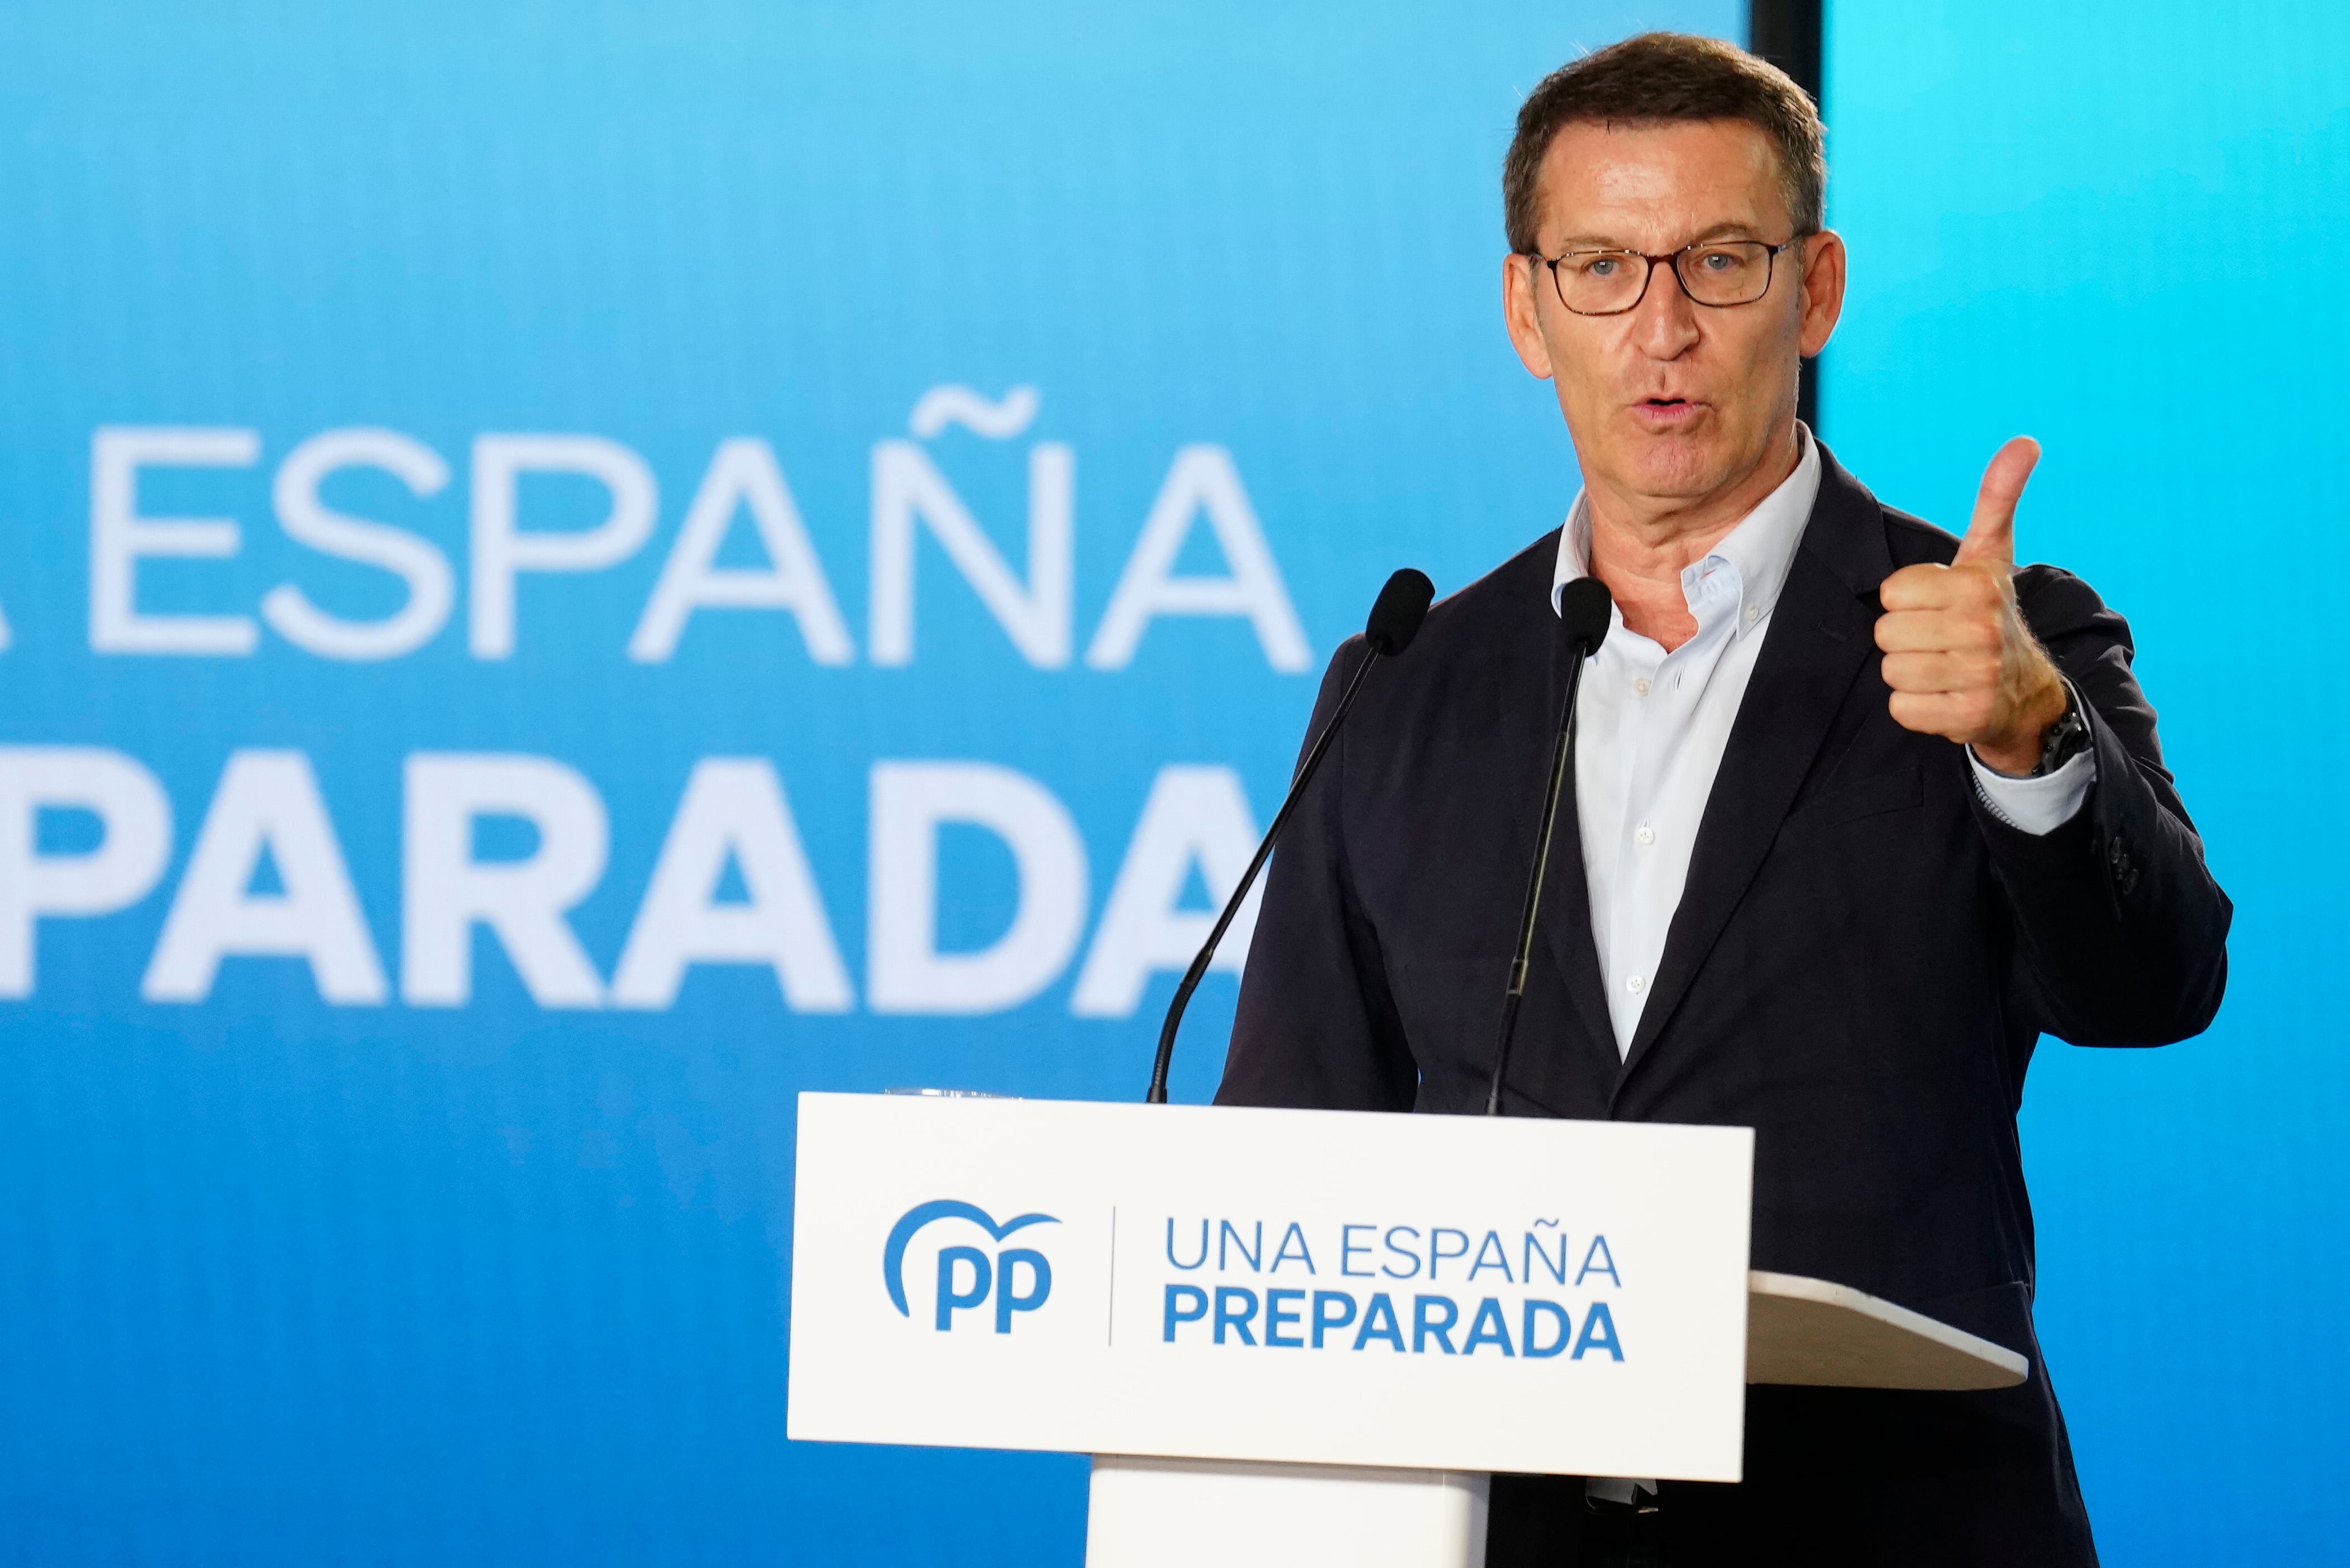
[1206,955]
[1562,752]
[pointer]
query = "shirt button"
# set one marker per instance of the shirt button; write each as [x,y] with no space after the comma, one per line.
[1636,984]
[1645,834]
[1641,687]
[1753,610]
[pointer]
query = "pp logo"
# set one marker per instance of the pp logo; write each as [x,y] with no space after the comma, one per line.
[968,1276]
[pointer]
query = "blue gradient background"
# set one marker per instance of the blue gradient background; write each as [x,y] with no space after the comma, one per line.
[286,1283]
[2114,226]
[281,1283]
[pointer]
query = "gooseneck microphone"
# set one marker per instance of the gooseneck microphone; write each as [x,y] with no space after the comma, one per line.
[1584,609]
[1395,620]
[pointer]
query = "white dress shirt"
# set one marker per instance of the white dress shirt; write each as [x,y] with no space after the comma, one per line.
[1651,726]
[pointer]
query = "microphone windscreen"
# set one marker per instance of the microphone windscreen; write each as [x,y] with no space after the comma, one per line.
[1402,606]
[1585,606]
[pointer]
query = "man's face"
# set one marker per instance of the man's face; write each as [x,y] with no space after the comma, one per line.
[1672,401]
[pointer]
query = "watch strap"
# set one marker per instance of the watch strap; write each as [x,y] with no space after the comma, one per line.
[2067,738]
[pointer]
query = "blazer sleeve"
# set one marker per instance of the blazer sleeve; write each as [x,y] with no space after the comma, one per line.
[1316,1026]
[2121,932]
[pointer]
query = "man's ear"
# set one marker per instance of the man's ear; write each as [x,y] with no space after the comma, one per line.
[1520,315]
[1823,262]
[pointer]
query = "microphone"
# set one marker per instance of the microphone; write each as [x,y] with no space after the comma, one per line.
[1584,608]
[1395,620]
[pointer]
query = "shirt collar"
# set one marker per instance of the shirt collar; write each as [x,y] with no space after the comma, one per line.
[1760,549]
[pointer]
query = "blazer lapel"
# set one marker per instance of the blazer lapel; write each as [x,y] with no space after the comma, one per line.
[1819,640]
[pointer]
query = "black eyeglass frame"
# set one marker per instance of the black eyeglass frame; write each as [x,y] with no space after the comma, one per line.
[1769,271]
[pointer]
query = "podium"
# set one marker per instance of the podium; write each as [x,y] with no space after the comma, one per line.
[1305,1335]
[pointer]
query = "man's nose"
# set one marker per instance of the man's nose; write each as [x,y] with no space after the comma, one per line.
[1664,324]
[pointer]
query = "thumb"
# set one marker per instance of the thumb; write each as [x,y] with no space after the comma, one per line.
[1991,534]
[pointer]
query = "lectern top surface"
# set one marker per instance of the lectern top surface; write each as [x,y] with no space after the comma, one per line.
[1814,1332]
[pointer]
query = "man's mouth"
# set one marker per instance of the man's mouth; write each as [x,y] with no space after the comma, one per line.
[1666,413]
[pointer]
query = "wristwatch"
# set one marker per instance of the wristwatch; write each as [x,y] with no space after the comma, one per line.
[2067,738]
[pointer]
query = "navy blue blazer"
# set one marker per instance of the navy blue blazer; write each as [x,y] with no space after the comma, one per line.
[1862,962]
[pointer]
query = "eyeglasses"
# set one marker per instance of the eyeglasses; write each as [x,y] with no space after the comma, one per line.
[1712,272]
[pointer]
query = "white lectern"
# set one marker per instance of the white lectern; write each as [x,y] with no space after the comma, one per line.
[1305,1335]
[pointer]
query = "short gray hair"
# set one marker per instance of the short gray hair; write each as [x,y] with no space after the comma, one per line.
[1660,78]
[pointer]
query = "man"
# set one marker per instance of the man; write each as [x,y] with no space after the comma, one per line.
[1859,811]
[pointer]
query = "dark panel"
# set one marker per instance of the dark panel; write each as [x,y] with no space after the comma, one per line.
[1787,33]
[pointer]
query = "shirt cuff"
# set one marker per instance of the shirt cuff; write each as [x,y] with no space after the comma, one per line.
[2037,806]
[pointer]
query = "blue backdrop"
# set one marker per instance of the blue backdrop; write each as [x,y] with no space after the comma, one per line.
[340,1224]
[690,485]
[2111,225]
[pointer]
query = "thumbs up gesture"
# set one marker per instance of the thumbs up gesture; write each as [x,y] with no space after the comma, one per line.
[1959,660]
